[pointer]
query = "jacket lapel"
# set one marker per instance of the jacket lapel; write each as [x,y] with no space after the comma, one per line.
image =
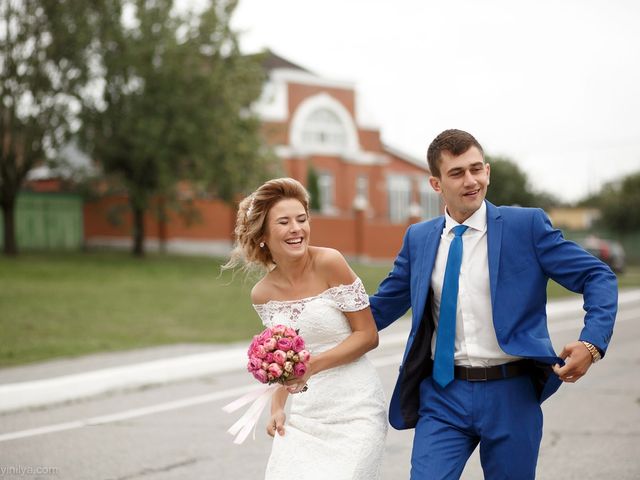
[494,243]
[425,268]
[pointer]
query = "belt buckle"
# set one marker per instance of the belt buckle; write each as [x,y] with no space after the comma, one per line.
[477,374]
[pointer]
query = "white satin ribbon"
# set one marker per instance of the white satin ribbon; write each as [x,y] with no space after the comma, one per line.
[260,397]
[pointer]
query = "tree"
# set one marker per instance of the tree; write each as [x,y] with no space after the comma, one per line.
[509,184]
[547,200]
[43,58]
[175,104]
[619,203]
[313,187]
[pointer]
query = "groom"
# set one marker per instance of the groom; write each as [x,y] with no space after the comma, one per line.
[479,361]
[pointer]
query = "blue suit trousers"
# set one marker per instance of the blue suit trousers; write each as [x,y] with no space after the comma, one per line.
[503,416]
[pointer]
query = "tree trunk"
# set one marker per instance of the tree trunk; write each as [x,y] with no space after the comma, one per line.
[138,231]
[162,225]
[10,247]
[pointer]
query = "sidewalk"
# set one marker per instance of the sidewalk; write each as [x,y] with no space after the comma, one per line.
[63,380]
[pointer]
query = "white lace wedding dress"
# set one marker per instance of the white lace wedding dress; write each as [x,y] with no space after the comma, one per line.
[335,430]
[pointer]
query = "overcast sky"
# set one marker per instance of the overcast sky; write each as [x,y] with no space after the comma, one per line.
[554,85]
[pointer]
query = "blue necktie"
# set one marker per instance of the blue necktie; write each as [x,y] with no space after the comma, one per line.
[443,358]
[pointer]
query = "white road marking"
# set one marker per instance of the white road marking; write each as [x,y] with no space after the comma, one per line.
[128,414]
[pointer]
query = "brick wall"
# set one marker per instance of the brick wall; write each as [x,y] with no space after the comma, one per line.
[107,222]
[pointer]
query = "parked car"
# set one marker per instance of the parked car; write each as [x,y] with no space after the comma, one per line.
[609,251]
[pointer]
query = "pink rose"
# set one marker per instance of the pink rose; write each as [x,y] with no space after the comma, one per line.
[264,336]
[261,376]
[275,370]
[253,345]
[285,344]
[290,332]
[299,369]
[254,364]
[278,330]
[269,358]
[304,355]
[270,345]
[298,344]
[279,357]
[260,352]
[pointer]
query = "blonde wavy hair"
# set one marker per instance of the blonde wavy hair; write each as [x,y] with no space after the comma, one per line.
[251,222]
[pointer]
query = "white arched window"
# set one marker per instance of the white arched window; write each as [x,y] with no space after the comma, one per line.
[323,128]
[323,125]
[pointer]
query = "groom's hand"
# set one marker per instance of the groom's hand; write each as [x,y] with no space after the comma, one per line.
[578,360]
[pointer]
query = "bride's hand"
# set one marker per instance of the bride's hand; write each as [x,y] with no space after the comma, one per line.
[298,384]
[276,423]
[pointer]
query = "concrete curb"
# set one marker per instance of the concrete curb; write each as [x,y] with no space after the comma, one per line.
[39,393]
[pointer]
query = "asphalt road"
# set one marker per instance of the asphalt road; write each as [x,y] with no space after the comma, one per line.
[178,431]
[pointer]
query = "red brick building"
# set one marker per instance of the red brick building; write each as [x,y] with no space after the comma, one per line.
[369,192]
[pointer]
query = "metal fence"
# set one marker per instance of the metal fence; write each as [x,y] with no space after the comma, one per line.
[48,221]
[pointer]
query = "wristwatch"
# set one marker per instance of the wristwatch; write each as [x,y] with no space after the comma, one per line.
[595,353]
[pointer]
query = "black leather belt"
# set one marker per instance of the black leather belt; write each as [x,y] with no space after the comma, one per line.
[498,372]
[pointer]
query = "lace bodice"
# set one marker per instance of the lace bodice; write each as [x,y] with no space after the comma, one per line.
[320,318]
[347,298]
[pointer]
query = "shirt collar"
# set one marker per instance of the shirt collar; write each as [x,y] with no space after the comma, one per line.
[477,221]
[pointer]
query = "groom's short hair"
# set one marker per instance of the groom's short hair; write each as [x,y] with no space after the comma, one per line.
[456,142]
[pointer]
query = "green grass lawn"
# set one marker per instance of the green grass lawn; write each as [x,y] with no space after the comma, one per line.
[66,304]
[54,305]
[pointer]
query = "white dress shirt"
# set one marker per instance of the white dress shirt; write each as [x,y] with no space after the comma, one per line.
[476,344]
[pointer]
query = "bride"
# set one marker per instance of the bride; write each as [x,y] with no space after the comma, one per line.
[337,424]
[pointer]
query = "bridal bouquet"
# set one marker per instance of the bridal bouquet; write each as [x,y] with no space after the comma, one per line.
[277,354]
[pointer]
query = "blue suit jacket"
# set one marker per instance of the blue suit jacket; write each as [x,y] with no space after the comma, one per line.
[524,251]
